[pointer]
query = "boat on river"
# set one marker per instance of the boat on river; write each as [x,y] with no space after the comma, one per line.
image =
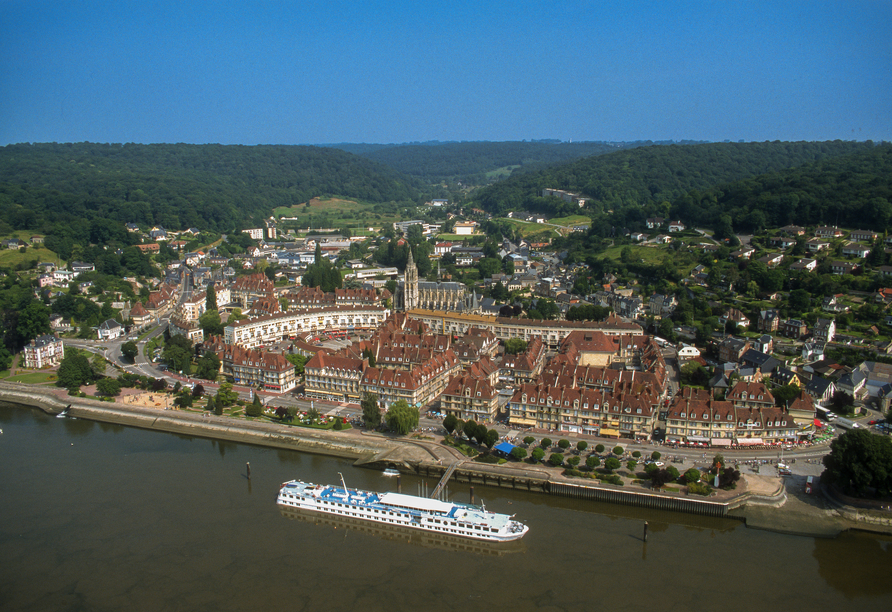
[398,509]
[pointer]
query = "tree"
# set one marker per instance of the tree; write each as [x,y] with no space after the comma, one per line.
[574,460]
[211,403]
[545,442]
[617,450]
[537,454]
[514,346]
[581,445]
[210,300]
[612,464]
[564,444]
[108,387]
[226,396]
[255,408]
[518,453]
[556,459]
[450,422]
[841,402]
[860,463]
[401,417]
[599,448]
[371,411]
[528,440]
[636,454]
[298,361]
[800,300]
[592,462]
[660,477]
[490,439]
[655,456]
[184,400]
[197,390]
[130,350]
[631,464]
[692,475]
[5,358]
[208,366]
[210,323]
[74,370]
[33,321]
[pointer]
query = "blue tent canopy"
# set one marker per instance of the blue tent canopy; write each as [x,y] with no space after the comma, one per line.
[504,447]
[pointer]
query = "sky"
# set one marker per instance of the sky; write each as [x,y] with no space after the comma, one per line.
[308,72]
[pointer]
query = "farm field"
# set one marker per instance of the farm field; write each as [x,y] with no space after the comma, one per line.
[340,212]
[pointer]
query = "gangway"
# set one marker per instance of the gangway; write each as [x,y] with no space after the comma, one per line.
[446,476]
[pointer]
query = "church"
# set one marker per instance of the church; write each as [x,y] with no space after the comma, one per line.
[413,294]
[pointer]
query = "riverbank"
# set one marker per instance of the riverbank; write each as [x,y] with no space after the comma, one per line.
[762,501]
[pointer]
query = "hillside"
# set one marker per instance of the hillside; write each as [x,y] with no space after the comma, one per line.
[177,185]
[474,163]
[641,182]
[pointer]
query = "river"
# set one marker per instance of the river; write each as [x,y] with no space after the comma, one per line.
[99,517]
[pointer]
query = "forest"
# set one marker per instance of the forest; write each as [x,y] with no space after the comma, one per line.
[177,186]
[626,187]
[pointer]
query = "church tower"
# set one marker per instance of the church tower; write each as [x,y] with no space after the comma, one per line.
[410,284]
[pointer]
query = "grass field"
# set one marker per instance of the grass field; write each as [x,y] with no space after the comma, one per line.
[339,212]
[650,255]
[33,378]
[571,220]
[11,257]
[528,228]
[500,173]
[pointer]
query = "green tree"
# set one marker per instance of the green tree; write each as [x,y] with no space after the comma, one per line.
[492,436]
[655,455]
[841,403]
[401,417]
[860,463]
[514,346]
[74,370]
[33,321]
[599,448]
[545,442]
[518,453]
[692,475]
[130,350]
[225,395]
[210,323]
[450,422]
[537,454]
[592,462]
[564,444]
[800,301]
[581,445]
[212,404]
[617,450]
[208,366]
[255,408]
[612,464]
[210,300]
[528,440]
[556,459]
[371,410]
[574,460]
[108,387]
[298,361]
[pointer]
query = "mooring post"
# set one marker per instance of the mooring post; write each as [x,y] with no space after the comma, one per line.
[645,531]
[399,486]
[472,494]
[249,470]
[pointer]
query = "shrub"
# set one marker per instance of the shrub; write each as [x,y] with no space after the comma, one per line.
[574,460]
[699,488]
[655,455]
[692,475]
[556,459]
[545,443]
[630,464]
[537,454]
[529,440]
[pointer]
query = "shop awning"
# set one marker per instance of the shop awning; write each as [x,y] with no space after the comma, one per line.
[720,442]
[697,439]
[673,439]
[610,432]
[749,441]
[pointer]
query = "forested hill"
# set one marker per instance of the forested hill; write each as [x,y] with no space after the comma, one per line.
[644,181]
[469,162]
[853,191]
[221,187]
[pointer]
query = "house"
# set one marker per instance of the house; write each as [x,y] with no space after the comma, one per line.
[676,226]
[110,330]
[828,232]
[831,303]
[807,265]
[638,237]
[735,316]
[786,376]
[821,389]
[802,408]
[688,352]
[863,235]
[757,359]
[764,344]
[772,260]
[793,328]
[793,230]
[853,383]
[812,351]
[744,253]
[784,242]
[768,321]
[43,352]
[853,249]
[732,349]
[824,330]
[816,244]
[843,267]
[750,395]
[654,222]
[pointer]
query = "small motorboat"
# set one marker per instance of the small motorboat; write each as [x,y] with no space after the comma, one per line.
[391,472]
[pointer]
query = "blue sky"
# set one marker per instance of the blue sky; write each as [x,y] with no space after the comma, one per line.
[307,72]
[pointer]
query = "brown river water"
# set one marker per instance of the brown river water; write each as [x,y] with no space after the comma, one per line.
[107,518]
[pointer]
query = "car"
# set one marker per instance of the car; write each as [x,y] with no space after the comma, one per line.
[656,463]
[874,422]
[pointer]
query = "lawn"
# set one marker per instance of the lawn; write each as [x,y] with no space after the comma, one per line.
[650,255]
[33,378]
[11,257]
[571,220]
[528,228]
[340,212]
[500,173]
